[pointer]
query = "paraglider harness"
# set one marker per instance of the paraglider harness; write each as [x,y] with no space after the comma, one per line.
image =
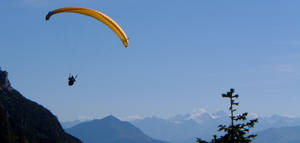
[72,80]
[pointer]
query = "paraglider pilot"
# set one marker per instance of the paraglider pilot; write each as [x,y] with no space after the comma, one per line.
[72,80]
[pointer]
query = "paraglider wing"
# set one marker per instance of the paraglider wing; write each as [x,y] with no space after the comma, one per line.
[95,14]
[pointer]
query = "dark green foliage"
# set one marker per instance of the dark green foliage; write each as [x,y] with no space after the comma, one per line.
[6,134]
[237,131]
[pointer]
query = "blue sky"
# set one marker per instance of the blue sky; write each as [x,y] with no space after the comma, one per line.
[182,56]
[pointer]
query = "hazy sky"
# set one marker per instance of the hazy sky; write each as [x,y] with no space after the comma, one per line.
[182,56]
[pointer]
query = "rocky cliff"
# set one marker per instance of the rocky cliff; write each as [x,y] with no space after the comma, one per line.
[24,121]
[4,82]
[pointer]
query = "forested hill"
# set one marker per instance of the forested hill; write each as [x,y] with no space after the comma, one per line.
[24,121]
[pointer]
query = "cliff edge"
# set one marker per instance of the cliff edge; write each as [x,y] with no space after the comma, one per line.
[25,121]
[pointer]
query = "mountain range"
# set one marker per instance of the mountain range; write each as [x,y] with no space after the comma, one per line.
[185,128]
[110,130]
[279,135]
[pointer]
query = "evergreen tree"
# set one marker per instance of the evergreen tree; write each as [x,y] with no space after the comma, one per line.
[237,131]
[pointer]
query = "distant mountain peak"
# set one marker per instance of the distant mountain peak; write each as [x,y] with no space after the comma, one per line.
[111,117]
[131,118]
[110,130]
[198,115]
[219,114]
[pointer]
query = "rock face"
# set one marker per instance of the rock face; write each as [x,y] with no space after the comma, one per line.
[24,121]
[4,82]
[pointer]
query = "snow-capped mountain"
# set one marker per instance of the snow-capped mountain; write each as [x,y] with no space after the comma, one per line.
[200,123]
[183,127]
[199,115]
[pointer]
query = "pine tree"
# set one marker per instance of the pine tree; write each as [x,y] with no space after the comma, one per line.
[237,131]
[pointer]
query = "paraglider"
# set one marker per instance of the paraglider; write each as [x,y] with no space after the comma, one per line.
[72,80]
[114,26]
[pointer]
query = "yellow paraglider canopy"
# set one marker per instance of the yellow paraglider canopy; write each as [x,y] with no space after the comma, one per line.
[95,14]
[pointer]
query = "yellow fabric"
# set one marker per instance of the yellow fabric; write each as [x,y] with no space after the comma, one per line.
[98,15]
